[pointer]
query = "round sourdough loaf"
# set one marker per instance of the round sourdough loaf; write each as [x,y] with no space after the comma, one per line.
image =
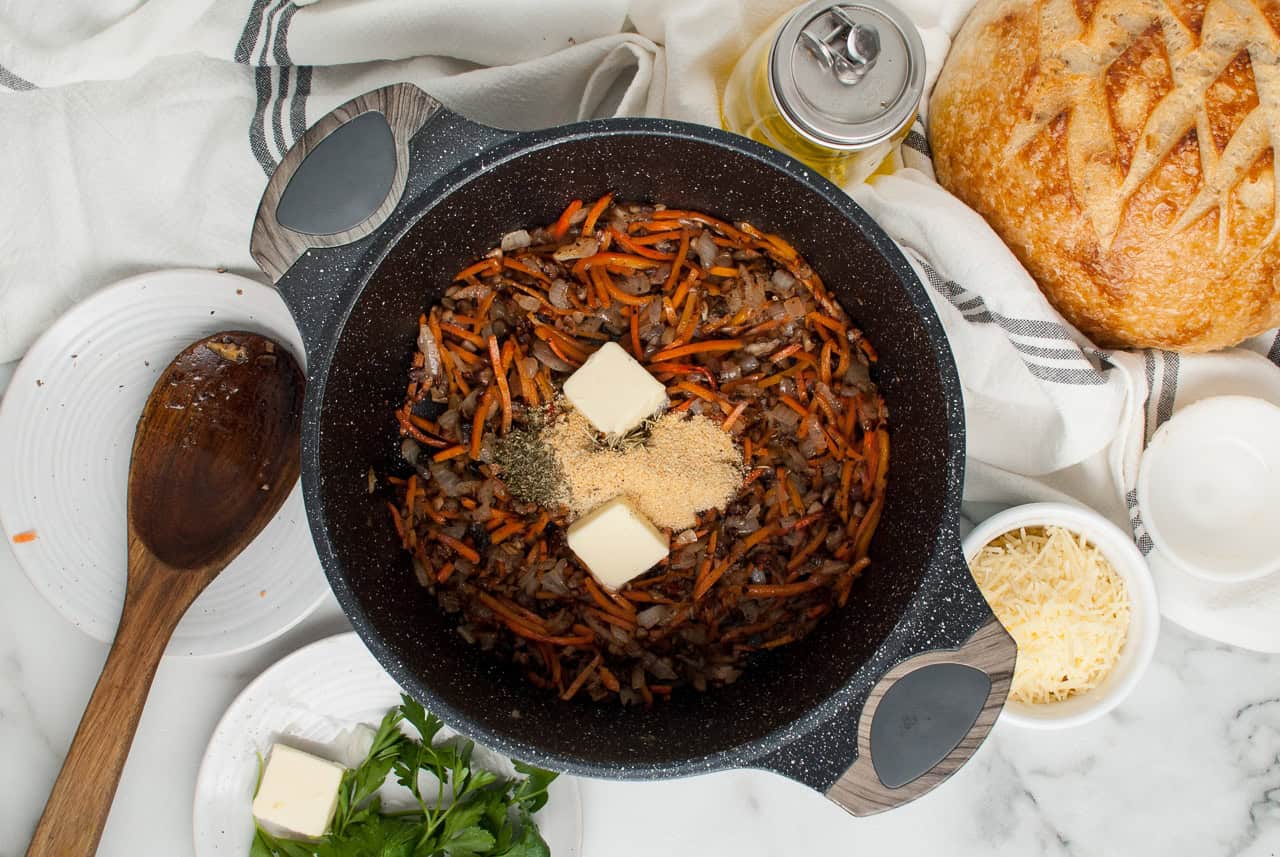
[1125,150]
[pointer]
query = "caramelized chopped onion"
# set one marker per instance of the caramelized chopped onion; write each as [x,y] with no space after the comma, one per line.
[740,330]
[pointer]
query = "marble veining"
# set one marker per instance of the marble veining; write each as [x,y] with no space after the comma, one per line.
[1188,766]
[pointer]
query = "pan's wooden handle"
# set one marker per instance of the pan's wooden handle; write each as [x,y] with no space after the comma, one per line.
[350,186]
[77,807]
[924,719]
[351,167]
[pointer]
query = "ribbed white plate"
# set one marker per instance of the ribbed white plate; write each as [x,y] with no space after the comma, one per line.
[66,432]
[315,698]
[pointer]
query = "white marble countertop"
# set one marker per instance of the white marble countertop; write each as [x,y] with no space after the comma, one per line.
[1188,765]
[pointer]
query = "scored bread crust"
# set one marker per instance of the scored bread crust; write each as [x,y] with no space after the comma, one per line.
[1123,150]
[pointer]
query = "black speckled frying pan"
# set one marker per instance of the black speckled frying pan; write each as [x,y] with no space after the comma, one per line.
[361,227]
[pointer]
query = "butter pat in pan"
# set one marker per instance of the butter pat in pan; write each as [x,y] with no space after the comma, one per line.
[613,391]
[298,792]
[616,543]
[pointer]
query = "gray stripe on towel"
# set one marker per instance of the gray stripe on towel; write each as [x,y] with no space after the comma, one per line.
[1062,375]
[1149,363]
[301,87]
[9,80]
[263,72]
[1168,387]
[1047,353]
[277,109]
[249,37]
[1140,535]
[974,310]
[298,109]
[265,18]
[280,50]
[257,138]
[919,142]
[1023,326]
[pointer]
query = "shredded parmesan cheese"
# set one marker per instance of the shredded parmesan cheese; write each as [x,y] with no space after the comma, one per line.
[1064,604]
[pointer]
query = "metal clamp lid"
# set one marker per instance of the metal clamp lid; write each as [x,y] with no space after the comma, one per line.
[848,49]
[847,76]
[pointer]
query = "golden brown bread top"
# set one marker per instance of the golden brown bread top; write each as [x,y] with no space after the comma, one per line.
[1124,150]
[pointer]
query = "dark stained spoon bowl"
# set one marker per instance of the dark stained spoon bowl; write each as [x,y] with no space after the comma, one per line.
[214,456]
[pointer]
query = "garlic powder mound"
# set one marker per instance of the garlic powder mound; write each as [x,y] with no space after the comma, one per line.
[688,464]
[1063,603]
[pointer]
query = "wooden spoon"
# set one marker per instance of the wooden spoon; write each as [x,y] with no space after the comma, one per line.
[214,456]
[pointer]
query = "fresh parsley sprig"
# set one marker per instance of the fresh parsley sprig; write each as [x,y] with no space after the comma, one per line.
[475,822]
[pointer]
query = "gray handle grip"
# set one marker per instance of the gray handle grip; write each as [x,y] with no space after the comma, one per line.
[924,719]
[342,179]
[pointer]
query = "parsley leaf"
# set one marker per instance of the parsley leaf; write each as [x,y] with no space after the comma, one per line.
[360,784]
[262,846]
[265,844]
[475,822]
[419,718]
[469,842]
[463,815]
[531,794]
[529,843]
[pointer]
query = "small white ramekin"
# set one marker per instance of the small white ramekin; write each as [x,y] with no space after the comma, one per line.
[1209,489]
[1144,611]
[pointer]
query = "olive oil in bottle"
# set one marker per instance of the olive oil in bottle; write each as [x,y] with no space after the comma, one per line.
[835,86]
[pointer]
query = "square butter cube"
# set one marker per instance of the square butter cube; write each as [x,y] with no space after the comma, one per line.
[613,391]
[616,542]
[298,792]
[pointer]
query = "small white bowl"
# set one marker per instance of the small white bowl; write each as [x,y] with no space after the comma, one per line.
[1144,612]
[1209,489]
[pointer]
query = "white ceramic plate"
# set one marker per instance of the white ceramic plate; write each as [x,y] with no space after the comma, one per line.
[66,432]
[316,697]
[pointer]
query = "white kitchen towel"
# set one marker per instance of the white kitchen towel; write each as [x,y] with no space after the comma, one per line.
[138,136]
[1048,415]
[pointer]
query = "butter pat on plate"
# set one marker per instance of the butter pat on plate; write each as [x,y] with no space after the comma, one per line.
[613,391]
[298,792]
[616,543]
